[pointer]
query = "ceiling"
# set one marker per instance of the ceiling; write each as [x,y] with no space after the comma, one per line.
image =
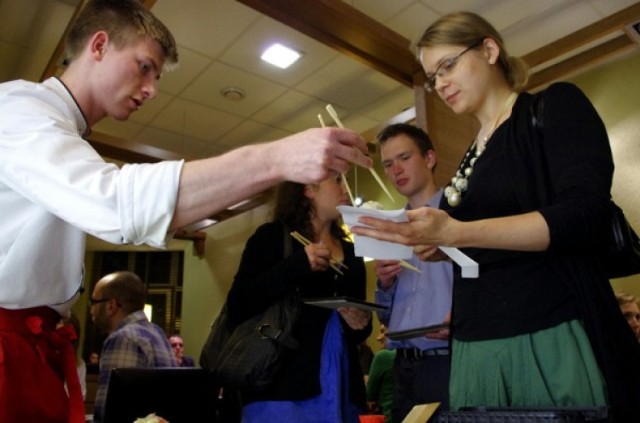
[220,42]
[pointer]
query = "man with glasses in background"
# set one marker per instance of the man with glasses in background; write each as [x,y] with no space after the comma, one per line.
[117,307]
[55,188]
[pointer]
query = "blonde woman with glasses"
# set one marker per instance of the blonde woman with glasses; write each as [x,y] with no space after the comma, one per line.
[540,326]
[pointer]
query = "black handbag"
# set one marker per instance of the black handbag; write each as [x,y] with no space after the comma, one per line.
[622,256]
[248,356]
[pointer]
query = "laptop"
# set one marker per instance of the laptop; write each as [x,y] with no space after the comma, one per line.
[176,394]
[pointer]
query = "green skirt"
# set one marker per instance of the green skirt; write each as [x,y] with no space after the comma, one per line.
[551,368]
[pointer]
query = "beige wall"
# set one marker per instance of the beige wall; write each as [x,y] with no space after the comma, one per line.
[208,279]
[614,90]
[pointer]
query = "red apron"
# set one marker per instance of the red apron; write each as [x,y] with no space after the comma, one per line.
[35,361]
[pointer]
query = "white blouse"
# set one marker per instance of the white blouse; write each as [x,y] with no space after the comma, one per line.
[54,188]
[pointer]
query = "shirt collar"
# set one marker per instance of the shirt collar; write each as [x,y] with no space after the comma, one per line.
[434,201]
[136,316]
[57,86]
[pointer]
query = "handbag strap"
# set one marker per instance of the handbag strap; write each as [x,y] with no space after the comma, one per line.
[278,335]
[536,113]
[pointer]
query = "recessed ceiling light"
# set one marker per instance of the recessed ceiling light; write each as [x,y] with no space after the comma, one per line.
[280,56]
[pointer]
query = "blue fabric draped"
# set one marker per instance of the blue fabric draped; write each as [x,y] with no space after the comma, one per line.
[331,406]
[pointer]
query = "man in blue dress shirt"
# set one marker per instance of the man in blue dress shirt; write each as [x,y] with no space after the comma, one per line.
[421,367]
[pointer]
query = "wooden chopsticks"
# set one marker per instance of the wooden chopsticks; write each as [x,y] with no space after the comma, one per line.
[344,175]
[335,264]
[334,116]
[409,266]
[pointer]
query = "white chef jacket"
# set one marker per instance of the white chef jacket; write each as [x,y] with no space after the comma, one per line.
[54,188]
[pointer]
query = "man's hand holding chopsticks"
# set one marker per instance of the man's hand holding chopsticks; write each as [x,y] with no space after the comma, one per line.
[312,155]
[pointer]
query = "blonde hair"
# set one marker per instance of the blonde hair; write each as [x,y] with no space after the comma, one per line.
[624,298]
[467,29]
[125,21]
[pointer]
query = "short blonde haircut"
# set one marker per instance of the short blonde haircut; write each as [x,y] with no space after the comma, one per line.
[466,29]
[125,21]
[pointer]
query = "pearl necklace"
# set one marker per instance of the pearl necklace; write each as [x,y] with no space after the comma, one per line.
[459,183]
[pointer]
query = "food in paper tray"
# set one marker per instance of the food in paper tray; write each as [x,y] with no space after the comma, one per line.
[373,248]
[151,418]
[373,205]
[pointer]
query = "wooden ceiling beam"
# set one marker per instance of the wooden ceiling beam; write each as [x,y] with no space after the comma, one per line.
[55,61]
[587,58]
[128,151]
[244,206]
[346,29]
[584,36]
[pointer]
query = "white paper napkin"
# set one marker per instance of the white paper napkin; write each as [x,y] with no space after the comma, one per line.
[385,250]
[370,247]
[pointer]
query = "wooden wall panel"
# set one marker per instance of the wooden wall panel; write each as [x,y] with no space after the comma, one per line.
[451,135]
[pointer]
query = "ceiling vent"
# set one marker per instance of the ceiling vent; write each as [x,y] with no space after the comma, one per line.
[233,93]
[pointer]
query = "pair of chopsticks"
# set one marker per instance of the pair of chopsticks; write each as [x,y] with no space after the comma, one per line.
[335,264]
[344,175]
[334,115]
[336,119]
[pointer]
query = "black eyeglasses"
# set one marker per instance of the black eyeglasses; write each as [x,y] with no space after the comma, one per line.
[94,301]
[445,67]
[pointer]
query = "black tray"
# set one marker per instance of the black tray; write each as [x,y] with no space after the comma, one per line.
[337,302]
[415,332]
[525,415]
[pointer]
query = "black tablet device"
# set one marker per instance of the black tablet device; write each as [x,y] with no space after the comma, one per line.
[179,395]
[337,302]
[415,332]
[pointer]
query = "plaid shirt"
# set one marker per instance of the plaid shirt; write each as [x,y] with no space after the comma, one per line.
[135,343]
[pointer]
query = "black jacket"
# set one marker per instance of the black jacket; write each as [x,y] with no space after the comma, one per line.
[265,276]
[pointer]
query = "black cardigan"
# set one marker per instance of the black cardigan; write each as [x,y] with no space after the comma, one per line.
[566,176]
[264,276]
[577,254]
[565,173]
